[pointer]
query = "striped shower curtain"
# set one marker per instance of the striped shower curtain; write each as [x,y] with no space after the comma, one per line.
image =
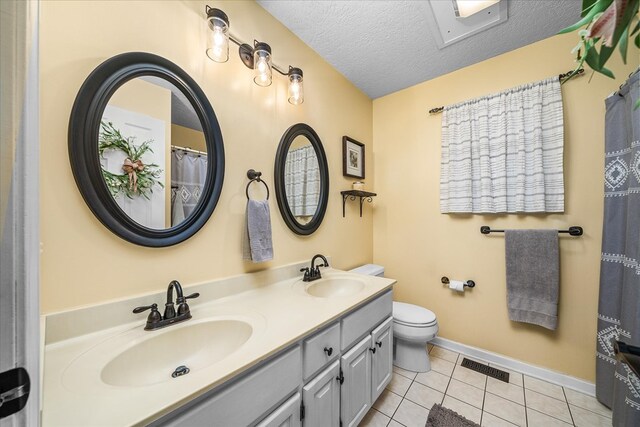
[619,306]
[503,152]
[302,181]
[188,175]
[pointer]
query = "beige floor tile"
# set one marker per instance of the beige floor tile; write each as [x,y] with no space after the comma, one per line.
[489,420]
[443,353]
[433,379]
[584,418]
[442,366]
[468,376]
[423,395]
[374,419]
[586,402]
[465,393]
[515,378]
[509,391]
[430,347]
[547,405]
[551,390]
[387,403]
[409,374]
[399,384]
[411,414]
[505,409]
[537,419]
[393,423]
[464,409]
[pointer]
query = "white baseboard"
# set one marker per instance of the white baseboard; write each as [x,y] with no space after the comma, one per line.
[531,370]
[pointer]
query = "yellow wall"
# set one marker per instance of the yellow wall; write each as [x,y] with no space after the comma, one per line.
[418,245]
[82,262]
[188,138]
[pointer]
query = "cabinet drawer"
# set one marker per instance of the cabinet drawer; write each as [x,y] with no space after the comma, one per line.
[315,356]
[287,415]
[359,323]
[243,402]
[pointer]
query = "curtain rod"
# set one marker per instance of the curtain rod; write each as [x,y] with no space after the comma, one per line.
[189,150]
[579,72]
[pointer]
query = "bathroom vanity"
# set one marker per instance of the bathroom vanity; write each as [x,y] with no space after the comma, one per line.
[263,349]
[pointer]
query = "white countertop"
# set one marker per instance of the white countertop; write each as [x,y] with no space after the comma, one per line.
[280,313]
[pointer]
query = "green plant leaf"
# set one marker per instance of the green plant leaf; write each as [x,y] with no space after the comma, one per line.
[624,42]
[586,5]
[597,8]
[637,104]
[637,41]
[636,29]
[621,27]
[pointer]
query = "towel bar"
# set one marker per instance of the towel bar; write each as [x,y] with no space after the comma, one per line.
[574,230]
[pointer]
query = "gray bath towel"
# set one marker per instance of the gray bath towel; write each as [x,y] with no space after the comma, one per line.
[256,243]
[533,270]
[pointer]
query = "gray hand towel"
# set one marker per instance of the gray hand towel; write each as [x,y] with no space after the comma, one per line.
[256,243]
[533,270]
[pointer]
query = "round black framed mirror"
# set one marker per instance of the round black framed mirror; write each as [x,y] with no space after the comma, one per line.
[146,149]
[301,179]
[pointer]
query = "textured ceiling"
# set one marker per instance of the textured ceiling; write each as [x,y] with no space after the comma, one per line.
[385,46]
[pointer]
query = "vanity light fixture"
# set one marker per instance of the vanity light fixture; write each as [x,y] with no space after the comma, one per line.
[466,8]
[218,41]
[257,57]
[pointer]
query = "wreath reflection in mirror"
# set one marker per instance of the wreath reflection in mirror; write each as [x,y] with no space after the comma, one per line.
[138,178]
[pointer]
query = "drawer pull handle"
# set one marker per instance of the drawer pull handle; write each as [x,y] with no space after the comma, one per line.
[379,344]
[328,350]
[373,350]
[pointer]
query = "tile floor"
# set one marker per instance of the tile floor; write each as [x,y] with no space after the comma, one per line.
[524,401]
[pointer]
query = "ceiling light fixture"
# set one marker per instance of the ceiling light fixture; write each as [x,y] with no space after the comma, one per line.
[257,57]
[466,8]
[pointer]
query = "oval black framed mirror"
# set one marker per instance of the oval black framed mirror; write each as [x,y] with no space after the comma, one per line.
[146,149]
[301,179]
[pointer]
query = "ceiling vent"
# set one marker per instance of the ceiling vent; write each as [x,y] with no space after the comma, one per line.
[455,20]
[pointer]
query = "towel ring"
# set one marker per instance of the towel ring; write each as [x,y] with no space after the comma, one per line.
[255,177]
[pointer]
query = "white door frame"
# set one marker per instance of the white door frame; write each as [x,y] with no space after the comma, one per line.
[19,287]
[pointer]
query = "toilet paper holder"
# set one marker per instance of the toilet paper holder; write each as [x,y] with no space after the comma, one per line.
[468,283]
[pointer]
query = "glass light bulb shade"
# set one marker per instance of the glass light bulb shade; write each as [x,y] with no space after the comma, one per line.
[262,67]
[218,42]
[296,89]
[466,8]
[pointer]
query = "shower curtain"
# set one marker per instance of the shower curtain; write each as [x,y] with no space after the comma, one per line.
[302,181]
[619,305]
[188,174]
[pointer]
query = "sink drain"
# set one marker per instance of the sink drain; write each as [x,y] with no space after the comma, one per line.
[180,371]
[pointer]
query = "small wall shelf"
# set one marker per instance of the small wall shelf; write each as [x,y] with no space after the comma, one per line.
[353,195]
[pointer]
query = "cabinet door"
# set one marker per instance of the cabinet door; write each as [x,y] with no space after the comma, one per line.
[287,414]
[382,359]
[355,394]
[321,399]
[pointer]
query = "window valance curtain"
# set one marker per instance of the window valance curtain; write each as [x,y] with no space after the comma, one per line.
[504,152]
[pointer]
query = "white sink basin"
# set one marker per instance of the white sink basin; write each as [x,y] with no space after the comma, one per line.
[153,359]
[334,287]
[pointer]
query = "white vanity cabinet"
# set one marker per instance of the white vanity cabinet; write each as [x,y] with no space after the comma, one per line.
[329,378]
[322,398]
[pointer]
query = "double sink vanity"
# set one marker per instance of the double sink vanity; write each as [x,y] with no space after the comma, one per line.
[263,348]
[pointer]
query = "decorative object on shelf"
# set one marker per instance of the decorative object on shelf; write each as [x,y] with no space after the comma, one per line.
[611,22]
[573,230]
[353,195]
[138,179]
[352,158]
[358,185]
[258,57]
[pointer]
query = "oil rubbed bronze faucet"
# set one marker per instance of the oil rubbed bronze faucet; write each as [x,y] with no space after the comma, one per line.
[156,321]
[313,273]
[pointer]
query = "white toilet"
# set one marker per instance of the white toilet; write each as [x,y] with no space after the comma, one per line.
[413,328]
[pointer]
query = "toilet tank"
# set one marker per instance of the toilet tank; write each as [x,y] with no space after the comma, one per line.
[369,270]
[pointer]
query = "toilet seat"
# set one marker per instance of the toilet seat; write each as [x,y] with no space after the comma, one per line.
[413,315]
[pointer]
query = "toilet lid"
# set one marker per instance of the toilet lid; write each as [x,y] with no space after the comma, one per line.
[412,314]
